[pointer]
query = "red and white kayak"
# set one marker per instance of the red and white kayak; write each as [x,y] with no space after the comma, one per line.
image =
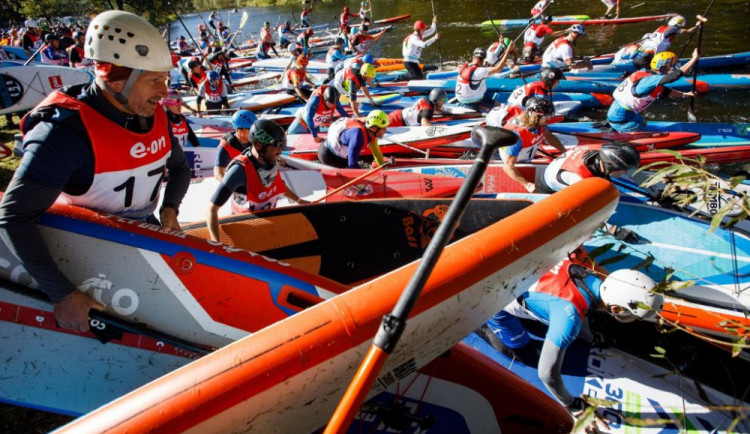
[289,376]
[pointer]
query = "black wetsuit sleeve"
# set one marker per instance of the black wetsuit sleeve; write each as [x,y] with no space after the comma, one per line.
[192,138]
[22,205]
[179,177]
[233,180]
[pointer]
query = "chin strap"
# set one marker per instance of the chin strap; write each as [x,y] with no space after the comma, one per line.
[122,96]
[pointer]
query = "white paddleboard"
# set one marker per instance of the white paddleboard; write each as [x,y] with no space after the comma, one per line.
[23,87]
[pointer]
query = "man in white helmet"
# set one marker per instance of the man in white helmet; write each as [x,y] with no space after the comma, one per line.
[32,37]
[563,298]
[84,146]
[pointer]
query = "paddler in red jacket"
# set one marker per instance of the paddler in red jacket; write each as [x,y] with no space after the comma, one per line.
[252,180]
[531,129]
[103,146]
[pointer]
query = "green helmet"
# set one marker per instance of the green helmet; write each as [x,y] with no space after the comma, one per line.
[368,70]
[377,118]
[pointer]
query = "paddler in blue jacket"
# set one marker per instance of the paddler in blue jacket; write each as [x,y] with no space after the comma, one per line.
[317,112]
[563,299]
[637,92]
[84,146]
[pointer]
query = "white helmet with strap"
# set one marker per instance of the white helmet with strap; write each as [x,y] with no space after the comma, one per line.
[631,290]
[128,40]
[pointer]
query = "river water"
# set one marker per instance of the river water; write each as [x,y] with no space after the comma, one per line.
[460,32]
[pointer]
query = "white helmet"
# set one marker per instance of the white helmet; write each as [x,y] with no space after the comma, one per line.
[128,40]
[677,21]
[31,23]
[628,288]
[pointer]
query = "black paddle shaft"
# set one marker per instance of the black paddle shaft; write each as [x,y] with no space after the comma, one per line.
[111,321]
[491,138]
[679,56]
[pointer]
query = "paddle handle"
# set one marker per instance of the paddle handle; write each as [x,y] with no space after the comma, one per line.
[359,178]
[691,105]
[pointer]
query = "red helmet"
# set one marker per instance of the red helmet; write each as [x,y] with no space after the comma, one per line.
[346,8]
[309,32]
[420,25]
[201,26]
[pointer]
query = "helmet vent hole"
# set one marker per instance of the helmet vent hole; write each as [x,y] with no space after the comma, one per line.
[106,27]
[118,30]
[122,41]
[130,35]
[101,36]
[116,56]
[110,37]
[96,27]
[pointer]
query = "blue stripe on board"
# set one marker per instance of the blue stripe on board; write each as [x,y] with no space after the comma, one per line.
[274,280]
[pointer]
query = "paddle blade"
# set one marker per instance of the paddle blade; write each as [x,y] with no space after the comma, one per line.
[243,20]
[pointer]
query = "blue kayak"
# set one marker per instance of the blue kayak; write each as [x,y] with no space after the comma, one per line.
[712,134]
[495,84]
[18,53]
[706,82]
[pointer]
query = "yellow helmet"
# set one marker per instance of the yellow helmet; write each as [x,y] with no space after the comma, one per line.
[368,70]
[377,118]
[663,60]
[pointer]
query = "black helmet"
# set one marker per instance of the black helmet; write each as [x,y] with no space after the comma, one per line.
[287,23]
[437,95]
[549,75]
[539,104]
[340,41]
[193,63]
[49,37]
[77,34]
[546,19]
[331,95]
[268,133]
[480,52]
[618,156]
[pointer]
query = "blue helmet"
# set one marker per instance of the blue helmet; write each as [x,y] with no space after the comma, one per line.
[244,119]
[213,75]
[367,58]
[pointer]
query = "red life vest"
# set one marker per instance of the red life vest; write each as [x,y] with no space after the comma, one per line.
[518,96]
[180,130]
[559,282]
[257,196]
[410,115]
[530,141]
[198,77]
[353,77]
[322,110]
[298,73]
[465,73]
[127,165]
[626,97]
[574,162]
[231,144]
[335,131]
[214,95]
